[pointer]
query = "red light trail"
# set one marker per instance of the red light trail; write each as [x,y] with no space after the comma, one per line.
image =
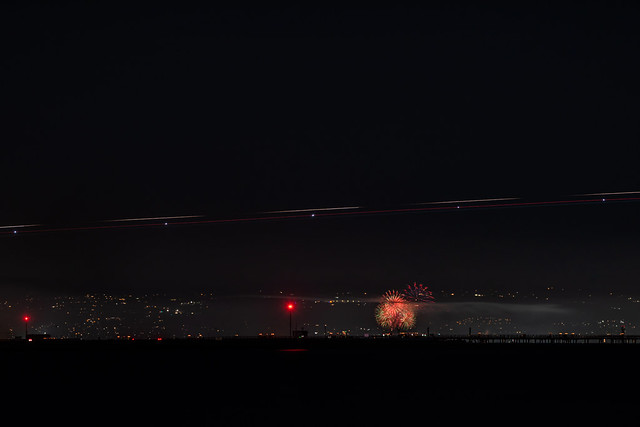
[314,213]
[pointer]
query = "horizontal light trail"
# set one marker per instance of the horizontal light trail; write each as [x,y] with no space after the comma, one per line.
[19,226]
[467,201]
[155,224]
[476,206]
[343,208]
[154,218]
[609,194]
[308,214]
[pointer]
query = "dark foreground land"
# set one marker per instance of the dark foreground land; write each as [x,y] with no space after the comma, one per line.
[259,374]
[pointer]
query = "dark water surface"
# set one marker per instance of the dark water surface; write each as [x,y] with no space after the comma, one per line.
[262,374]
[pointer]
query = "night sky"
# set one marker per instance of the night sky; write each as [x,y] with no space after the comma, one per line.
[113,111]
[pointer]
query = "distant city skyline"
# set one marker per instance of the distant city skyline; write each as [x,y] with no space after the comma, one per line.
[205,315]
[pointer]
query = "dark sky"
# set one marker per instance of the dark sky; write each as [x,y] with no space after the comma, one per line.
[119,111]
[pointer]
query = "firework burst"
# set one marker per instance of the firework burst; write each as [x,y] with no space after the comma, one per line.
[394,313]
[418,293]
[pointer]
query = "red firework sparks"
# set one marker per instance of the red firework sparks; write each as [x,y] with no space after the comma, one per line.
[418,293]
[394,312]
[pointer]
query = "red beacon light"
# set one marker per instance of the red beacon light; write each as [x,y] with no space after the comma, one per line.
[290,307]
[26,327]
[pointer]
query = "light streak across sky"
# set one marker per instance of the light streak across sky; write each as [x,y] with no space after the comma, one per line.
[467,201]
[618,193]
[342,208]
[291,214]
[154,218]
[19,226]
